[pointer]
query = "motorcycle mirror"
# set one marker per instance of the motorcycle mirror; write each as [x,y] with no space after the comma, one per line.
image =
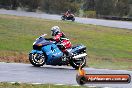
[44,34]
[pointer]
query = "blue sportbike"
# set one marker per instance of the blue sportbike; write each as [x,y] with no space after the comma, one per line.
[48,52]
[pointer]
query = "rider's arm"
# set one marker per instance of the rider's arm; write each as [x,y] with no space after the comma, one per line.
[57,37]
[49,39]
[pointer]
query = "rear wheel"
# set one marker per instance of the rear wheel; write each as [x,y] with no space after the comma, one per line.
[37,59]
[73,19]
[76,63]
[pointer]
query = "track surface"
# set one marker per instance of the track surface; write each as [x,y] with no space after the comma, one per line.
[109,23]
[26,73]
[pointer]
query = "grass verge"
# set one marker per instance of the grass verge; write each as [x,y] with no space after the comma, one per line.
[107,47]
[23,85]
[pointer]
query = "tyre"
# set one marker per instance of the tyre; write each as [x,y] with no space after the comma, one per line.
[73,19]
[77,63]
[63,18]
[37,59]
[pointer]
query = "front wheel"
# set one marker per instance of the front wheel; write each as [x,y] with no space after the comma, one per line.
[76,63]
[37,59]
[63,17]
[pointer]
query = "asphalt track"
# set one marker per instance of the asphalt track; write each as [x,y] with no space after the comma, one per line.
[26,73]
[108,23]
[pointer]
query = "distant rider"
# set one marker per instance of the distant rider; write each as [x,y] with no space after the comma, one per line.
[60,38]
[68,13]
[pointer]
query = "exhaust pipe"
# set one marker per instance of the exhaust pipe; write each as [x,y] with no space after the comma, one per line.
[80,56]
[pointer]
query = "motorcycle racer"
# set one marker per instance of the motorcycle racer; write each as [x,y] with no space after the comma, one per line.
[57,51]
[60,38]
[68,16]
[68,13]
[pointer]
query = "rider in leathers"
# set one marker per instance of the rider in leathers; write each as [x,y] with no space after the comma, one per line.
[60,38]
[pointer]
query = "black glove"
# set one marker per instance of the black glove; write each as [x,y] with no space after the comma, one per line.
[49,39]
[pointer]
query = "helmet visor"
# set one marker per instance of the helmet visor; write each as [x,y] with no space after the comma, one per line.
[52,32]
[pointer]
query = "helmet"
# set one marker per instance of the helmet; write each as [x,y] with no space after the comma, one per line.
[55,30]
[69,11]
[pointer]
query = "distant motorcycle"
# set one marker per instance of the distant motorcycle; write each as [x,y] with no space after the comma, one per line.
[47,52]
[70,17]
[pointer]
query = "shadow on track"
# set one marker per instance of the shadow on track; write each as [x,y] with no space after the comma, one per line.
[54,67]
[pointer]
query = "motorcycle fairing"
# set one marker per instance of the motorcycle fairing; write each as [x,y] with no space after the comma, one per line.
[36,51]
[53,54]
[78,48]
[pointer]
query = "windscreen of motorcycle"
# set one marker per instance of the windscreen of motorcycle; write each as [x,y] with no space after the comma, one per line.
[40,40]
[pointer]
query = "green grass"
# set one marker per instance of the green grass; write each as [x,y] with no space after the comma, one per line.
[106,47]
[17,85]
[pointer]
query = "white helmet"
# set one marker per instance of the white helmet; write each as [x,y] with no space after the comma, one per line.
[55,30]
